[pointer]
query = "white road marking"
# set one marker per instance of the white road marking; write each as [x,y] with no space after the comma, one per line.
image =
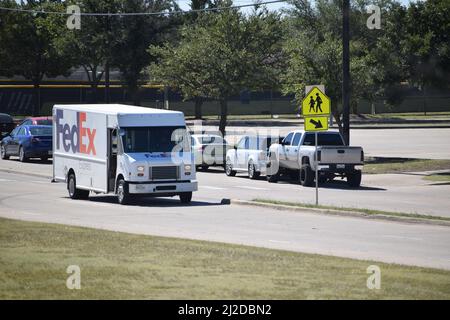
[212,188]
[6,180]
[251,188]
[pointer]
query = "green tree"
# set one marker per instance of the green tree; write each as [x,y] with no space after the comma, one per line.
[134,35]
[426,46]
[221,55]
[29,47]
[314,52]
[90,47]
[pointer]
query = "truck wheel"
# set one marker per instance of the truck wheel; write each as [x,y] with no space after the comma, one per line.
[306,176]
[75,193]
[229,169]
[3,153]
[186,197]
[273,178]
[123,196]
[22,157]
[354,179]
[252,173]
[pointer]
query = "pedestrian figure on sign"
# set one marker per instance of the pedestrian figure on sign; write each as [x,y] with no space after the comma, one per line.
[318,103]
[311,104]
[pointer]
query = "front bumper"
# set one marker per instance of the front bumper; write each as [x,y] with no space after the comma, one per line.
[37,153]
[166,188]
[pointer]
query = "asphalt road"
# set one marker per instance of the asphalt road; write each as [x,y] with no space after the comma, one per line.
[407,193]
[36,199]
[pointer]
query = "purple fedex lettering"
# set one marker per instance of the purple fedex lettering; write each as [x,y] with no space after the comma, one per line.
[68,134]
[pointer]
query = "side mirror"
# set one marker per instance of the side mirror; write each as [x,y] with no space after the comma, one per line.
[235,147]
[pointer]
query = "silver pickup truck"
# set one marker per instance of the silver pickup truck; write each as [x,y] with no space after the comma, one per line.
[295,155]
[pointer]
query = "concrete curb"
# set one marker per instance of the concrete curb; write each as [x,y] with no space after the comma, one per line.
[344,213]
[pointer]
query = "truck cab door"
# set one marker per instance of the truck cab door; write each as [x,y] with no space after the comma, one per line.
[285,149]
[292,154]
[242,152]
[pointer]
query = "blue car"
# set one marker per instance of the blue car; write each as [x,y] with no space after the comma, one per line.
[27,141]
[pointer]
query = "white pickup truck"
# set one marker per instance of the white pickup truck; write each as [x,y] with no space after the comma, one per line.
[295,155]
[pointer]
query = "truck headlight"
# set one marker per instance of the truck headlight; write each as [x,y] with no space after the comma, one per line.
[187,169]
[140,168]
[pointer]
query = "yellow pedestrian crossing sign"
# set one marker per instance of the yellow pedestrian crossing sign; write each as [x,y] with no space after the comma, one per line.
[316,103]
[316,123]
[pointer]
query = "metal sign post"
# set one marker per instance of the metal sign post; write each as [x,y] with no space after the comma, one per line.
[316,108]
[317,173]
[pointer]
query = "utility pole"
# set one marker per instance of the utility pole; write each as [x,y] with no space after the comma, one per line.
[346,70]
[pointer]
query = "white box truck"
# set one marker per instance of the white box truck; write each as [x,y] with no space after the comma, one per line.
[121,149]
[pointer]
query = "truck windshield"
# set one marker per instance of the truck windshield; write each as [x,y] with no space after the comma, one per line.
[155,139]
[323,139]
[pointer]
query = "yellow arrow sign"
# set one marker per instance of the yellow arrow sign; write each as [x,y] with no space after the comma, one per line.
[316,123]
[316,103]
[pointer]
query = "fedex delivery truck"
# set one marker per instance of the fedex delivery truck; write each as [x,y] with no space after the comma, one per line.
[120,149]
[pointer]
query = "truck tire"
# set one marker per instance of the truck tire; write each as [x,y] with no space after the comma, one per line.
[252,173]
[354,179]
[123,196]
[229,169]
[75,193]
[22,156]
[306,176]
[3,153]
[273,178]
[186,197]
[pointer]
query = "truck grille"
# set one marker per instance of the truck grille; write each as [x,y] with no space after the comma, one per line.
[164,173]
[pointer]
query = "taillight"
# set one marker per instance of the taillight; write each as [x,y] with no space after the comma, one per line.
[362,156]
[319,155]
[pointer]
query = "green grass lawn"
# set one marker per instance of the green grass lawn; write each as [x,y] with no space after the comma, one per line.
[397,165]
[439,177]
[361,211]
[34,258]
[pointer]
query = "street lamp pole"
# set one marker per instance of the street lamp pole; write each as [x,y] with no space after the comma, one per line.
[346,70]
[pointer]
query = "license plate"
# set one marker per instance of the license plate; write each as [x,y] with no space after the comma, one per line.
[340,166]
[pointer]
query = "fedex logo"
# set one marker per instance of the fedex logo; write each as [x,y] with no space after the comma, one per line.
[84,141]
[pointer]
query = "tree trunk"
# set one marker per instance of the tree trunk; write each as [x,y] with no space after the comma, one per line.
[337,117]
[135,95]
[223,116]
[36,99]
[198,108]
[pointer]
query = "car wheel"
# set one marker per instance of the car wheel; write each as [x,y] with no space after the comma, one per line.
[252,173]
[306,176]
[22,157]
[354,179]
[75,193]
[273,178]
[186,197]
[3,153]
[123,196]
[229,169]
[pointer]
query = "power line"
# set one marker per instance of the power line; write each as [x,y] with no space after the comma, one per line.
[34,12]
